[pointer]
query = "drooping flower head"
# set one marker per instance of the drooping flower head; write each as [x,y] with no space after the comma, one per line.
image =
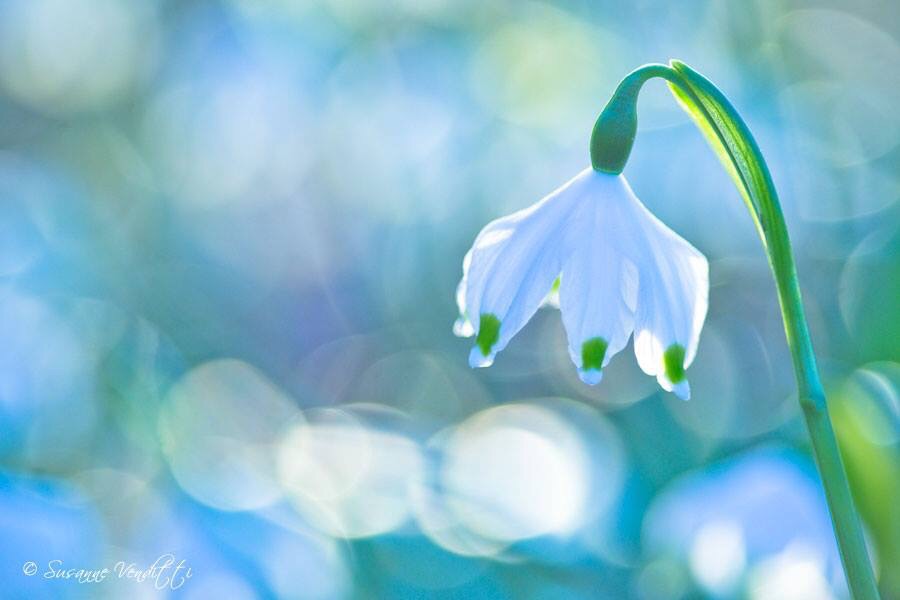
[620,270]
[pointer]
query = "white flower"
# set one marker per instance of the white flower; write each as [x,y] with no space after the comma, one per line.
[620,270]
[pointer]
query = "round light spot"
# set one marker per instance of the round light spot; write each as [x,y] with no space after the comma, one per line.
[218,429]
[423,386]
[840,123]
[61,56]
[867,295]
[542,69]
[300,564]
[845,116]
[47,411]
[797,573]
[230,137]
[370,151]
[874,395]
[348,479]
[441,525]
[718,556]
[661,578]
[516,472]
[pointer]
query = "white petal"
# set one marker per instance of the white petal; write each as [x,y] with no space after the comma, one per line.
[463,326]
[513,263]
[552,298]
[682,389]
[590,376]
[598,284]
[672,295]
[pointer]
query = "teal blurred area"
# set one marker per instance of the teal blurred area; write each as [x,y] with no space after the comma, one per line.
[230,236]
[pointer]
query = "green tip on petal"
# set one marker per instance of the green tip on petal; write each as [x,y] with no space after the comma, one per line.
[488,333]
[555,287]
[674,362]
[592,353]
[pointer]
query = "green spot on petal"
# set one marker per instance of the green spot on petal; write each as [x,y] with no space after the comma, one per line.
[488,333]
[592,353]
[555,287]
[674,362]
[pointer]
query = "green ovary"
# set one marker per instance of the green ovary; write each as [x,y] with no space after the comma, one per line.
[488,333]
[592,353]
[673,359]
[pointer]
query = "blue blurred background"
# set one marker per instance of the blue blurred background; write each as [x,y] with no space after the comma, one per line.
[230,234]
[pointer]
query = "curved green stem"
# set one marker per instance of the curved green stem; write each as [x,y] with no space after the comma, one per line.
[739,153]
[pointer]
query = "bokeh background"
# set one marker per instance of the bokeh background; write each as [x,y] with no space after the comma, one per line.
[230,234]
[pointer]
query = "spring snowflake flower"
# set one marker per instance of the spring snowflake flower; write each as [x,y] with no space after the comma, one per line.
[619,268]
[622,271]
